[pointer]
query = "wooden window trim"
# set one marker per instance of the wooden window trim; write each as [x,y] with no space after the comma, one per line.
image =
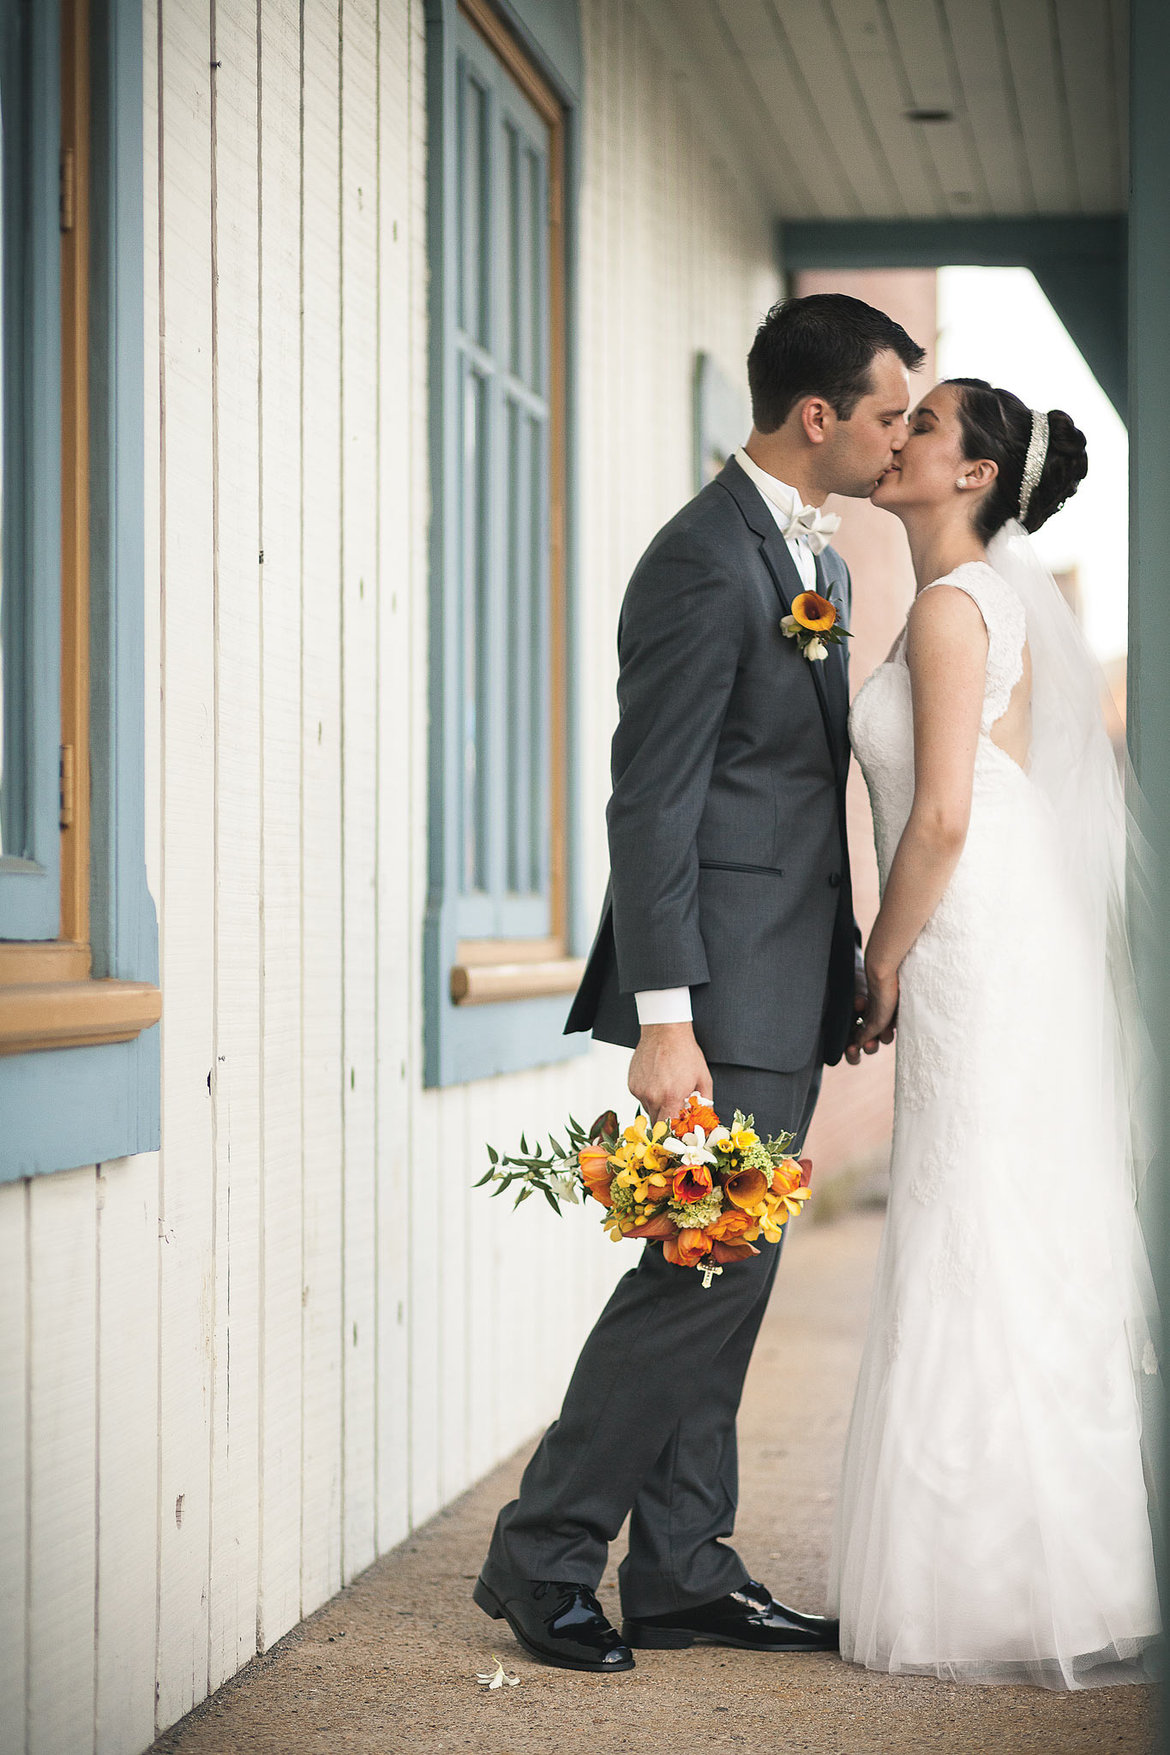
[48,998]
[489,970]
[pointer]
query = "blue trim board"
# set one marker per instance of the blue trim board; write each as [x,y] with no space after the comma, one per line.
[1149,642]
[75,1106]
[1080,262]
[462,1043]
[30,886]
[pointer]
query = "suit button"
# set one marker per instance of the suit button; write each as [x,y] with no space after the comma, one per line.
[834,879]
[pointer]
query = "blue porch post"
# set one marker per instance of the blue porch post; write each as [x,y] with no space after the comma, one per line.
[1149,662]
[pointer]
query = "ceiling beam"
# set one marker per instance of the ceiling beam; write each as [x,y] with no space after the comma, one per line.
[1079,261]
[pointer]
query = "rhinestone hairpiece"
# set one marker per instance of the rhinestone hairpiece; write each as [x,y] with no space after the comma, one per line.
[1034,461]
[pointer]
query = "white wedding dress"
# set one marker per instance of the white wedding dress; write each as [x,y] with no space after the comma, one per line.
[993,1522]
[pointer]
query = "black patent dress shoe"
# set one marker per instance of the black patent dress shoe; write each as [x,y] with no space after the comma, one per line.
[561,1624]
[749,1617]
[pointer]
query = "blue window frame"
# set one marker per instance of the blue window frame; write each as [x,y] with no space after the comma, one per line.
[502,924]
[79,1073]
[30,471]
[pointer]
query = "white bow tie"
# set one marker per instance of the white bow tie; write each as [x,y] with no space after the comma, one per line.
[810,525]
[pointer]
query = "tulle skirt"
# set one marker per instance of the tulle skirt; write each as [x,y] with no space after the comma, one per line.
[994,1516]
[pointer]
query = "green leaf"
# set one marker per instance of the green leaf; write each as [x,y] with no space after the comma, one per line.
[522,1196]
[552,1200]
[493,1154]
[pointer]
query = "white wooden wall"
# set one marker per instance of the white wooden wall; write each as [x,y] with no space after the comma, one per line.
[236,1371]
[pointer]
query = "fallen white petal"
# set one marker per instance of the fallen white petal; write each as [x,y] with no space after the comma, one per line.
[498,1677]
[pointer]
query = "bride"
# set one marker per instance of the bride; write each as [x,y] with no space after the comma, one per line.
[993,1522]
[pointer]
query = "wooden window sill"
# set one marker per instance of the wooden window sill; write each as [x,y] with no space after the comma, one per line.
[38,1015]
[476,983]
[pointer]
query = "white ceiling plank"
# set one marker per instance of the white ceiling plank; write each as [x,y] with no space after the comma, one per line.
[932,80]
[988,99]
[1033,56]
[791,103]
[863,25]
[689,37]
[823,54]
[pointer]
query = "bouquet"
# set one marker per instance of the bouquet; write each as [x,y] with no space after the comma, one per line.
[706,1192]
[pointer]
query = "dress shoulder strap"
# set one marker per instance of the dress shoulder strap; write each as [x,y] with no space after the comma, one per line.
[1007,630]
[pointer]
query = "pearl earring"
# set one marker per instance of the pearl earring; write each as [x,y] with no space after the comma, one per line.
[962,481]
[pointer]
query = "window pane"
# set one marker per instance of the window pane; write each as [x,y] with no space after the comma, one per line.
[476,633]
[13,605]
[473,206]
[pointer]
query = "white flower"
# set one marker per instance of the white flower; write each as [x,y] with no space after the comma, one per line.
[789,626]
[565,1186]
[815,651]
[691,1149]
[498,1677]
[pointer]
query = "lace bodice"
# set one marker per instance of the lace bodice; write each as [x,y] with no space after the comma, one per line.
[881,723]
[1003,617]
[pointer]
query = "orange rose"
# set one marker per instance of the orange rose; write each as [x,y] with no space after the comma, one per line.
[686,1249]
[692,1182]
[747,1189]
[694,1113]
[596,1173]
[729,1227]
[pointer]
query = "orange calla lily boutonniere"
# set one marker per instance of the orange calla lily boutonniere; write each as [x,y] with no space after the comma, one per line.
[815,625]
[705,1192]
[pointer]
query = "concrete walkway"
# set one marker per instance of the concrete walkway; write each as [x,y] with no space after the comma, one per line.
[390,1664]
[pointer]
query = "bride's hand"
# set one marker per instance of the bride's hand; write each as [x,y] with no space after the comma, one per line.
[879,1018]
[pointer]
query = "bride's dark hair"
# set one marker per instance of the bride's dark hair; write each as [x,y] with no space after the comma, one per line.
[998,425]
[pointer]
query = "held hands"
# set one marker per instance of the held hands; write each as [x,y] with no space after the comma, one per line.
[875,1003]
[668,1065]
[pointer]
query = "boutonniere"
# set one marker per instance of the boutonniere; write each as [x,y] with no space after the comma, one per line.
[815,625]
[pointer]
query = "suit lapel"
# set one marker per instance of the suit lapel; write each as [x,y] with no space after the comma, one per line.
[836,675]
[785,577]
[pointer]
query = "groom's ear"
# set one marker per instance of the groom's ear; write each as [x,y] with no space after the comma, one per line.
[816,417]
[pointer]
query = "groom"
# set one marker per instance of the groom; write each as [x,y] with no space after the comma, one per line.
[726,958]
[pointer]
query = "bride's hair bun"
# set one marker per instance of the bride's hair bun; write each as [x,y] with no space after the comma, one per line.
[998,425]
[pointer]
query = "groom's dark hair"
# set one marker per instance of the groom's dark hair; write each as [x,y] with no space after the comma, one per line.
[822,345]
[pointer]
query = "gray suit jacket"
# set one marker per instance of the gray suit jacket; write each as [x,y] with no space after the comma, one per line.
[728,858]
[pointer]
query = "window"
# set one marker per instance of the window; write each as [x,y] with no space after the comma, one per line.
[499,940]
[78,948]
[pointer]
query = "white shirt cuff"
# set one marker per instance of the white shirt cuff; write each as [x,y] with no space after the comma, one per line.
[664,1005]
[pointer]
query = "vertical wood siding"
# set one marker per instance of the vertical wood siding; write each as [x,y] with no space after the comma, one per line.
[236,1371]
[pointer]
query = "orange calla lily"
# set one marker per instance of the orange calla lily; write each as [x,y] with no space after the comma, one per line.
[747,1189]
[733,1251]
[814,612]
[660,1227]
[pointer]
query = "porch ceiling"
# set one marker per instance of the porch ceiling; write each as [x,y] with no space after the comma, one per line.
[817,93]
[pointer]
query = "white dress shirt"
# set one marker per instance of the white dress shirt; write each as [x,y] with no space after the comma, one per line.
[672,1005]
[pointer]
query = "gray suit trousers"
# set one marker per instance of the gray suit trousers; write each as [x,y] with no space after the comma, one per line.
[648,1423]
